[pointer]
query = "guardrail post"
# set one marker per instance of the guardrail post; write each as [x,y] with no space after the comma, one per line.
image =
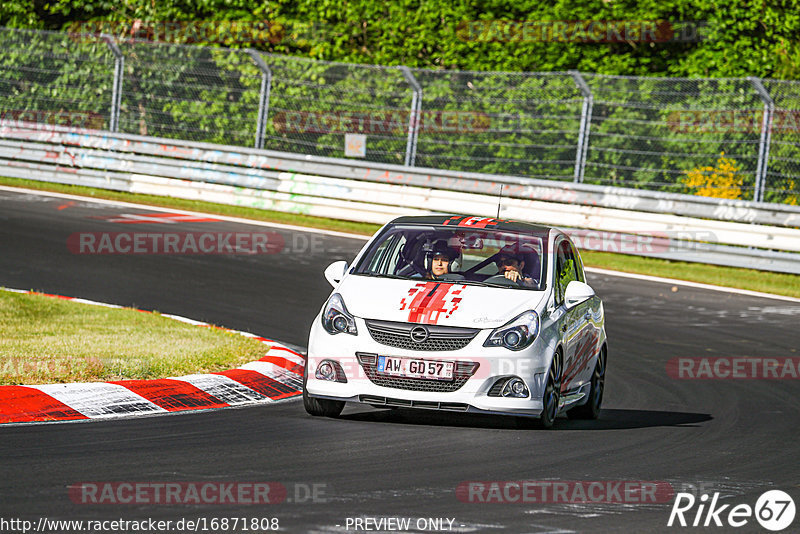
[263,96]
[414,117]
[583,132]
[764,141]
[116,91]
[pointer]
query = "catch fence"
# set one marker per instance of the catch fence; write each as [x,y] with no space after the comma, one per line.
[735,138]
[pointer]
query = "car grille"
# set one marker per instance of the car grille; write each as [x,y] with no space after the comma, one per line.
[463,370]
[440,338]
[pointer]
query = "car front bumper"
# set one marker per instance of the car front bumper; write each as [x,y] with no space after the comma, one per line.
[494,363]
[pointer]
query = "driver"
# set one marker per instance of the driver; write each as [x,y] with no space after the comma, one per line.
[510,264]
[440,265]
[441,259]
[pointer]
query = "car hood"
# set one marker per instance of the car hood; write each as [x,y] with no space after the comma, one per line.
[435,302]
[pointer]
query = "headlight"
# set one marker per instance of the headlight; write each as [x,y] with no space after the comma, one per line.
[517,334]
[336,319]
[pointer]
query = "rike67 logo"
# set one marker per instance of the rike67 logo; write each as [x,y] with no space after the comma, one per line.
[774,510]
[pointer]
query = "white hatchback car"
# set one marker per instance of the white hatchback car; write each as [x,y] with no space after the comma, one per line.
[458,313]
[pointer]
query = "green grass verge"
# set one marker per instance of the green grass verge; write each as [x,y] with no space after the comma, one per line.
[45,340]
[778,283]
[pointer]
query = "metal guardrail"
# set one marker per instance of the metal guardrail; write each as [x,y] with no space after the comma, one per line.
[745,234]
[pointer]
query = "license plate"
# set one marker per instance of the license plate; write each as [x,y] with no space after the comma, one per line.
[412,368]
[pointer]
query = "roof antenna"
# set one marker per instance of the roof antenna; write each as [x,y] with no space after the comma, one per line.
[499,199]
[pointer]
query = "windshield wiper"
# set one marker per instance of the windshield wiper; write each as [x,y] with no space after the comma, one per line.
[491,284]
[466,282]
[379,275]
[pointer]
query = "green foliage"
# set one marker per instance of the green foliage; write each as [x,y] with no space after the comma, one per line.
[747,38]
[20,14]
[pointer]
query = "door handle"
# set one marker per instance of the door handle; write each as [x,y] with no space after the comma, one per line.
[564,327]
[587,315]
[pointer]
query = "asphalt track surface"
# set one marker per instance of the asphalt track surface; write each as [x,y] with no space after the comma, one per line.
[736,437]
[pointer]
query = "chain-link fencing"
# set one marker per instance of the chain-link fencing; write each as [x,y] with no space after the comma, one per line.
[735,138]
[189,92]
[313,105]
[56,78]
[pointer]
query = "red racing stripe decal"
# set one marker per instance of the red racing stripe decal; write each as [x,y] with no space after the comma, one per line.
[421,309]
[259,383]
[172,395]
[20,404]
[421,303]
[473,222]
[431,300]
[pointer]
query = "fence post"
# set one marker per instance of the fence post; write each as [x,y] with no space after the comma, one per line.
[414,117]
[263,97]
[116,91]
[583,132]
[764,141]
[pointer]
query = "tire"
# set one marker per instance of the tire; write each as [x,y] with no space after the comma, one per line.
[591,410]
[552,394]
[322,407]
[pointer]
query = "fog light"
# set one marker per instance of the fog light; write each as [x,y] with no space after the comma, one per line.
[325,371]
[331,371]
[516,388]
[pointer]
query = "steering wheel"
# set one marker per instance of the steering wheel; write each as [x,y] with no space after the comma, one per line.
[501,280]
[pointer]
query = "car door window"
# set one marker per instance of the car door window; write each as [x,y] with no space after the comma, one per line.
[581,277]
[566,269]
[386,256]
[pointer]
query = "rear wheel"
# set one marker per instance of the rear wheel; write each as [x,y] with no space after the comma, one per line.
[552,394]
[591,410]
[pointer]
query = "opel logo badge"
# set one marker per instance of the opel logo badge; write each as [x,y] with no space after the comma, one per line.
[419,334]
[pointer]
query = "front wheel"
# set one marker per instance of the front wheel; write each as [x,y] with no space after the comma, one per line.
[322,407]
[552,394]
[591,410]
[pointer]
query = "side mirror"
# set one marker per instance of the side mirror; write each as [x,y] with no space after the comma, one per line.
[576,293]
[335,272]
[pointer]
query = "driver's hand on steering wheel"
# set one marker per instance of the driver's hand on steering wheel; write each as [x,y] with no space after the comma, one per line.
[516,276]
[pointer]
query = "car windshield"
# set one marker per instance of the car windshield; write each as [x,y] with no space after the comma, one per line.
[470,256]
